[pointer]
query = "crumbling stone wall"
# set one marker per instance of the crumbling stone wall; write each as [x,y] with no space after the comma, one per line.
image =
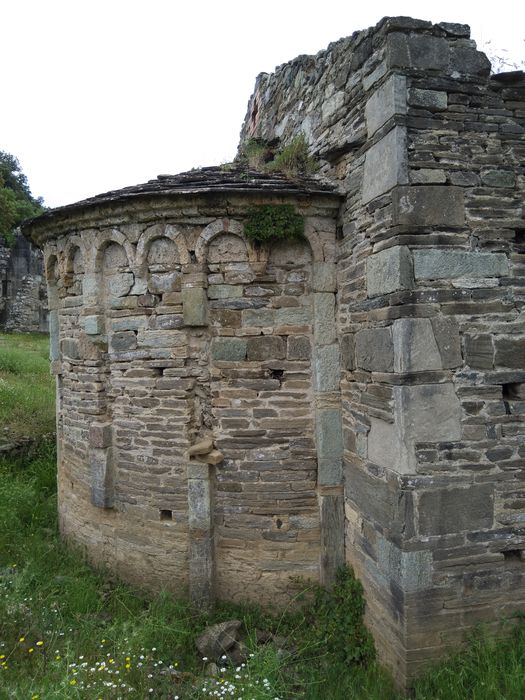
[22,287]
[429,150]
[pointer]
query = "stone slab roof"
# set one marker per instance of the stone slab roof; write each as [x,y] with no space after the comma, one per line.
[231,178]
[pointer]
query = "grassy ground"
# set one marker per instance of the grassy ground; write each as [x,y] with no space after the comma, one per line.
[27,393]
[67,632]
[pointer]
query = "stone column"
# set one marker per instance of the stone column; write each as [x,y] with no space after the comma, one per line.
[328,421]
[201,478]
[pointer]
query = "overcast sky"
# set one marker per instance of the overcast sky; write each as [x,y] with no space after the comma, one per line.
[100,94]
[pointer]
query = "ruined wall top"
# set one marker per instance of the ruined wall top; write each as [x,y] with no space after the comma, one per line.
[314,94]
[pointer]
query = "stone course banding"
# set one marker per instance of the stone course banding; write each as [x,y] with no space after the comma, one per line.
[365,387]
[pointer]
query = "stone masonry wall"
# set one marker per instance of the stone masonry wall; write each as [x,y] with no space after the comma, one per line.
[22,287]
[168,328]
[429,151]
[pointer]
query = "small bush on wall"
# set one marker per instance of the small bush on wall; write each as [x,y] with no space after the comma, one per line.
[274,222]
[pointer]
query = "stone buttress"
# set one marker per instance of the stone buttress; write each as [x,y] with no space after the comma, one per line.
[429,150]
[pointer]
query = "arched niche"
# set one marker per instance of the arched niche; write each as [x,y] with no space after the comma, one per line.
[114,270]
[227,247]
[74,267]
[223,237]
[290,254]
[161,252]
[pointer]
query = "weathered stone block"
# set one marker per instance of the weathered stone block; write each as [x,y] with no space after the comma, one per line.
[419,51]
[498,178]
[386,164]
[427,412]
[329,440]
[162,282]
[119,284]
[428,176]
[293,316]
[388,100]
[324,277]
[199,502]
[435,205]
[332,520]
[195,306]
[229,349]
[445,511]
[122,341]
[70,349]
[479,351]
[347,351]
[467,61]
[224,291]
[54,336]
[100,434]
[510,352]
[412,571]
[93,325]
[446,333]
[386,449]
[327,367]
[433,100]
[128,323]
[101,475]
[266,347]
[260,318]
[450,264]
[388,271]
[374,350]
[298,347]
[415,347]
[324,318]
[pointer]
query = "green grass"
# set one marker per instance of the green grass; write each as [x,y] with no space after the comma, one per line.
[65,630]
[27,393]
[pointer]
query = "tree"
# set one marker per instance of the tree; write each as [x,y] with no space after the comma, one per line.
[16,201]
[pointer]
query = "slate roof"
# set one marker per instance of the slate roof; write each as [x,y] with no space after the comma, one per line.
[231,178]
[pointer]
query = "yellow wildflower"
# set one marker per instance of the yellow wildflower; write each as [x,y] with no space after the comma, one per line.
[30,650]
[22,639]
[40,644]
[72,682]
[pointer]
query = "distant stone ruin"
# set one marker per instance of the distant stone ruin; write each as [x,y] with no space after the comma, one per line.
[233,413]
[23,296]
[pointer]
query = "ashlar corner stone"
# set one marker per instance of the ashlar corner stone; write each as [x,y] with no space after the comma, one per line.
[386,164]
[389,271]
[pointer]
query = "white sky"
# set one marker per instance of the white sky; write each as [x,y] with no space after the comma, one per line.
[100,94]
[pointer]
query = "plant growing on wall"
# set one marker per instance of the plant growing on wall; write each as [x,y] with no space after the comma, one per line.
[273,222]
[291,160]
[294,159]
